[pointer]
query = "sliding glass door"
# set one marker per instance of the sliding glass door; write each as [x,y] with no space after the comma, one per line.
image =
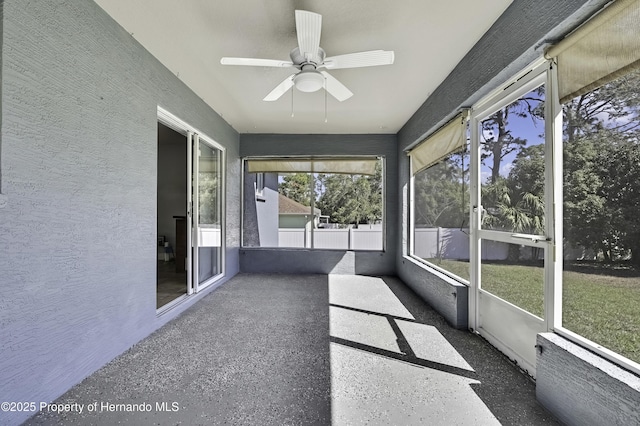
[207,212]
[199,253]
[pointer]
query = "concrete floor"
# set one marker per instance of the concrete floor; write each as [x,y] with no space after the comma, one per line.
[307,349]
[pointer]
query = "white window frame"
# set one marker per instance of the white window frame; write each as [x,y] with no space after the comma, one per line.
[259,185]
[381,158]
[556,309]
[412,228]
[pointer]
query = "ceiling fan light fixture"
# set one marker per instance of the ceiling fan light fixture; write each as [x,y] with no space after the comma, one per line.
[308,81]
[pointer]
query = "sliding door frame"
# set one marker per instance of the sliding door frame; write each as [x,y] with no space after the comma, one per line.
[193,138]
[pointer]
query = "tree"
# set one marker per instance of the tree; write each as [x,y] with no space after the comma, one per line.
[613,106]
[526,182]
[497,140]
[208,194]
[620,174]
[521,206]
[296,186]
[351,199]
[442,194]
[345,198]
[600,169]
[585,219]
[514,199]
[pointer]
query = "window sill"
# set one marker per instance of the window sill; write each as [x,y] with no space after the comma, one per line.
[441,273]
[598,351]
[309,249]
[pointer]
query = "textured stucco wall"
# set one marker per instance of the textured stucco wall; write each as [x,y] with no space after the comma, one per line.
[327,261]
[443,293]
[2,196]
[581,388]
[78,232]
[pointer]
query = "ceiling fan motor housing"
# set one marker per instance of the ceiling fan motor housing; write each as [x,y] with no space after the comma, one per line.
[300,59]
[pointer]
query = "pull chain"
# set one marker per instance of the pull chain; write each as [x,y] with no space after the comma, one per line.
[325,99]
[292,90]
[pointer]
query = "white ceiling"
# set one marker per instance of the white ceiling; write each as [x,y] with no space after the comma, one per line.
[189,37]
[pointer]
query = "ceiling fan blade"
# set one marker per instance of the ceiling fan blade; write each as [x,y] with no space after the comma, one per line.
[361,59]
[280,89]
[335,88]
[308,29]
[253,62]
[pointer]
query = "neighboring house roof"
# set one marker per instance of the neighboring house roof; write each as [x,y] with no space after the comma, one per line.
[289,206]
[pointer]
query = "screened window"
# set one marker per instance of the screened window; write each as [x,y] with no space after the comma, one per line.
[598,74]
[315,203]
[441,214]
[601,181]
[440,198]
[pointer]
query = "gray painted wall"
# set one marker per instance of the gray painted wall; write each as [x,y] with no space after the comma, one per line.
[260,216]
[581,388]
[250,213]
[78,233]
[442,293]
[2,196]
[327,261]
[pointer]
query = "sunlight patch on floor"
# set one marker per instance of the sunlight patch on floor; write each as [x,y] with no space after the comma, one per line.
[365,293]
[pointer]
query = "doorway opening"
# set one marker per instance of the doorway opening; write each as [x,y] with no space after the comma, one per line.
[172,265]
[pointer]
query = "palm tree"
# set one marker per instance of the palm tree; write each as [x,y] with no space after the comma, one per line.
[514,212]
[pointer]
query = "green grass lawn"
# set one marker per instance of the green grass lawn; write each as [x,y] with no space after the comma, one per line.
[601,303]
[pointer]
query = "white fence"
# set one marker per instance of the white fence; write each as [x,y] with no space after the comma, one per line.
[339,239]
[429,243]
[453,243]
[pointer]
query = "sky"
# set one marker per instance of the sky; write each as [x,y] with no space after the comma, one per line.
[520,127]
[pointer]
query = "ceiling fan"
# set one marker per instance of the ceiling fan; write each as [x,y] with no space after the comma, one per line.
[311,61]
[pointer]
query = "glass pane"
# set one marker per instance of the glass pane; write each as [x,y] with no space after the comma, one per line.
[601,181]
[350,211]
[514,273]
[347,213]
[441,214]
[294,217]
[512,166]
[209,212]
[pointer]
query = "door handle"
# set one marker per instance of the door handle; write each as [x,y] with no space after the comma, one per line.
[534,238]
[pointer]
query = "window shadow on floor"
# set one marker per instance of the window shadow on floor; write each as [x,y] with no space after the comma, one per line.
[505,390]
